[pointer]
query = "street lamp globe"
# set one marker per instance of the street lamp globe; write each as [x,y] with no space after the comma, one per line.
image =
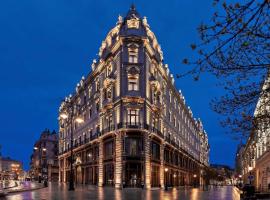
[166,169]
[250,168]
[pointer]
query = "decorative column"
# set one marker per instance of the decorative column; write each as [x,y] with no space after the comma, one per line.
[100,164]
[64,170]
[84,168]
[161,171]
[118,160]
[147,163]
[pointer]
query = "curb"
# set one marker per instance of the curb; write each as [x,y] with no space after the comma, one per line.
[24,190]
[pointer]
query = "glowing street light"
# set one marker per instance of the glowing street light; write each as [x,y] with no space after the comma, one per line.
[70,117]
[166,184]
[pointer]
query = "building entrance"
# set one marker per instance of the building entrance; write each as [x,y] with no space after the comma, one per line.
[133,174]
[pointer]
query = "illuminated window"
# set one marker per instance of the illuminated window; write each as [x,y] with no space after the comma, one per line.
[97,86]
[109,70]
[109,121]
[89,91]
[133,116]
[109,93]
[133,55]
[133,83]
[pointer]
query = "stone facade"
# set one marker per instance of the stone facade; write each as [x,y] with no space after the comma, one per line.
[10,169]
[135,123]
[255,158]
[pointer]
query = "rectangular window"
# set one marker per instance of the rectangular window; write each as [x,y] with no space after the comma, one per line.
[155,150]
[133,146]
[133,117]
[133,56]
[90,113]
[133,84]
[97,107]
[109,149]
[109,122]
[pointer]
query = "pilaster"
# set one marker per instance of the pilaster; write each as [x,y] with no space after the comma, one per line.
[147,162]
[64,170]
[118,160]
[100,164]
[161,172]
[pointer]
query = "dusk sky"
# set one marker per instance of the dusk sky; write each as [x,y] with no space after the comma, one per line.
[46,46]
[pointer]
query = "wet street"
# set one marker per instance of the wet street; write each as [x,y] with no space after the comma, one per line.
[59,191]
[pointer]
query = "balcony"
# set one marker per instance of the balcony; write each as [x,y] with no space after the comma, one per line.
[107,129]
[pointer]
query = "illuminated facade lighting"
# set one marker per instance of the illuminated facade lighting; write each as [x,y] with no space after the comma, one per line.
[136,125]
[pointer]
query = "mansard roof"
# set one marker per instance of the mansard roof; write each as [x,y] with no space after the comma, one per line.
[132,25]
[132,13]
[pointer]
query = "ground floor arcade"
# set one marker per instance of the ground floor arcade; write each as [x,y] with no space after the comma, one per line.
[130,159]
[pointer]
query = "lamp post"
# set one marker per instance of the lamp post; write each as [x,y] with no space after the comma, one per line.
[39,158]
[45,167]
[174,179]
[250,169]
[194,176]
[166,184]
[240,179]
[70,107]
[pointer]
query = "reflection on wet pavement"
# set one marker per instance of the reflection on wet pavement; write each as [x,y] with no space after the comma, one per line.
[59,191]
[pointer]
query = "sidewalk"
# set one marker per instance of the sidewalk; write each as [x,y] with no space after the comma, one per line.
[21,187]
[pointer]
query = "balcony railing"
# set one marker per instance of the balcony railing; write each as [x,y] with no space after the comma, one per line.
[141,126]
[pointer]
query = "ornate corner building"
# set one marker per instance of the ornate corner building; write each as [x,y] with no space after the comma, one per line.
[137,129]
[255,158]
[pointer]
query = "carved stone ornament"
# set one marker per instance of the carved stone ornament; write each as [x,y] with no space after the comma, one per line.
[133,70]
[120,19]
[145,23]
[133,23]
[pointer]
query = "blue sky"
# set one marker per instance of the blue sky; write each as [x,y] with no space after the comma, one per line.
[47,46]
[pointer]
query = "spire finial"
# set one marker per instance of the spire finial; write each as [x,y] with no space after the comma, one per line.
[132,7]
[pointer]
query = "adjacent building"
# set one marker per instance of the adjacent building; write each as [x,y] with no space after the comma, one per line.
[44,159]
[10,169]
[239,159]
[134,128]
[256,154]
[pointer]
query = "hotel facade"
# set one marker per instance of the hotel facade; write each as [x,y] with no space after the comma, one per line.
[135,128]
[255,157]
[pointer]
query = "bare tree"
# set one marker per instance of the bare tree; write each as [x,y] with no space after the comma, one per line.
[235,47]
